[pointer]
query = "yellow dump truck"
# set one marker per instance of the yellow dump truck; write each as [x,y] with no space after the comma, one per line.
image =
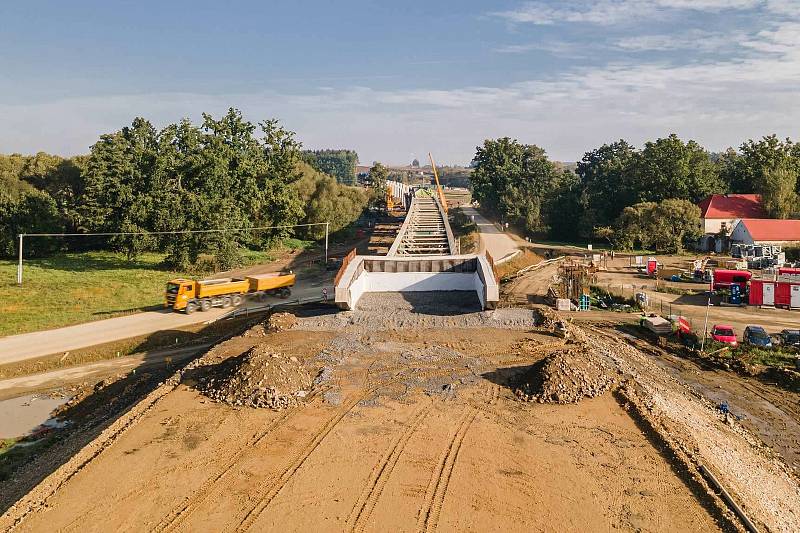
[190,295]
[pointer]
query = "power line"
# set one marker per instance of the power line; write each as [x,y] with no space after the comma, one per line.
[175,232]
[22,236]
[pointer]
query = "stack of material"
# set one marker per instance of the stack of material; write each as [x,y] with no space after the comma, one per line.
[259,378]
[658,325]
[568,376]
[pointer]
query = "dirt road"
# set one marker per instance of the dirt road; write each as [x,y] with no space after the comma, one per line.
[29,345]
[497,243]
[411,430]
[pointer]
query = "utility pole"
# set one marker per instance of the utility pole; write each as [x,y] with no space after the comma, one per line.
[327,226]
[19,266]
[708,306]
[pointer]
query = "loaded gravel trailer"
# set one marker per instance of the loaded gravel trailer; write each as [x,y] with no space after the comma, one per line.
[190,295]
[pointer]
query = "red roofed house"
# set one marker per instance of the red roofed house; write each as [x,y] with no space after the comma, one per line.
[766,231]
[723,211]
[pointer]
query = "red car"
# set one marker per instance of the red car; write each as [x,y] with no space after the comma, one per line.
[724,334]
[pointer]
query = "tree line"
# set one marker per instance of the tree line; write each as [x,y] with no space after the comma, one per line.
[632,197]
[341,164]
[223,173]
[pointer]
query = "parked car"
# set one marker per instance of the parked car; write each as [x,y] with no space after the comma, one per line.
[790,337]
[725,334]
[757,336]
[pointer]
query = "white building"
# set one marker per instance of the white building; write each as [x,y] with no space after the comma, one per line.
[766,231]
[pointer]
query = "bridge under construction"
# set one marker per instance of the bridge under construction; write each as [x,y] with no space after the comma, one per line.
[424,257]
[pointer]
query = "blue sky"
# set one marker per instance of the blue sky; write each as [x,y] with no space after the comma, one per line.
[396,80]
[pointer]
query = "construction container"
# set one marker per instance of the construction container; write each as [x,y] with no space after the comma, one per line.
[723,279]
[783,292]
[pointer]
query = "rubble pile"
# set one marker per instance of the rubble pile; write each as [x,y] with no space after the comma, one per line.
[568,376]
[259,378]
[281,321]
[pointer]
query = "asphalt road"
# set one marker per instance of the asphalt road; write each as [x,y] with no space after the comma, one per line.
[496,242]
[40,343]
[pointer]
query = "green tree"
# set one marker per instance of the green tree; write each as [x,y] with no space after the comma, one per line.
[376,181]
[340,164]
[674,224]
[326,200]
[512,181]
[778,187]
[666,226]
[747,171]
[605,175]
[28,212]
[669,168]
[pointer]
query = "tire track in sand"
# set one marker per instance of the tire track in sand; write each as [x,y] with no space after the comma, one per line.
[276,483]
[428,519]
[379,476]
[179,514]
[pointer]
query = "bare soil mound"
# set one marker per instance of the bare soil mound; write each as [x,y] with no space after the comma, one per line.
[567,376]
[259,378]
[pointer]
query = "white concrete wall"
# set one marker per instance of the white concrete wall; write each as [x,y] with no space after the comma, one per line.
[480,289]
[419,281]
[352,287]
[358,288]
[713,225]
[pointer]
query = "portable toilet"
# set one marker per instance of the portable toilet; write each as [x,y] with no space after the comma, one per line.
[736,295]
[652,266]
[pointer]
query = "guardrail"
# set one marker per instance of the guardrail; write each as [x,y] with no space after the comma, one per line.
[247,311]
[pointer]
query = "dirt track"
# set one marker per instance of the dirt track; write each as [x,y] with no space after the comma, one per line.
[411,430]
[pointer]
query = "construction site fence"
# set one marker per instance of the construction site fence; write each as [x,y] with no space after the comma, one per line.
[663,308]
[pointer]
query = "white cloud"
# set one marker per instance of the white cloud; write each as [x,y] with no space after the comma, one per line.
[557,48]
[606,12]
[691,40]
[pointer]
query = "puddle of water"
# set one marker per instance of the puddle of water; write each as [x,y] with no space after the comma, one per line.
[20,416]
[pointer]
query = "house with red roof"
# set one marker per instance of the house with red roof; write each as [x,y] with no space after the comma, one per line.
[722,212]
[766,231]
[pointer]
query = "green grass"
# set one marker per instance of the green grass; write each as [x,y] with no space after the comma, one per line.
[73,288]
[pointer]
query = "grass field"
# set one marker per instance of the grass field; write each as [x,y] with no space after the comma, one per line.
[70,289]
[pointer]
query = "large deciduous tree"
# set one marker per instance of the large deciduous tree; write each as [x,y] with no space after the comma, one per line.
[769,167]
[512,181]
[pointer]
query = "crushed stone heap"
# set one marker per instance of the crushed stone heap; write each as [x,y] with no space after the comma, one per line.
[568,376]
[259,378]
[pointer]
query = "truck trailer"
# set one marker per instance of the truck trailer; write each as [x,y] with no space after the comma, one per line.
[190,295]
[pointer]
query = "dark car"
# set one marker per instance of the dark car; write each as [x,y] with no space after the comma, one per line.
[790,337]
[757,336]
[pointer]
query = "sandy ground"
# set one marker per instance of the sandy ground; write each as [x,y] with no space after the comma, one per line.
[415,429]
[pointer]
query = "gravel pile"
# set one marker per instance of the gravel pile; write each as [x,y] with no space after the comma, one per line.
[281,321]
[568,376]
[259,378]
